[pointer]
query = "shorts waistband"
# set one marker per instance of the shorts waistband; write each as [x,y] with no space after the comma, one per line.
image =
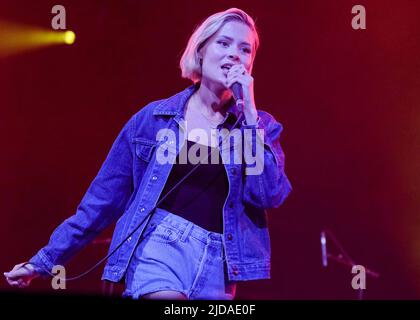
[187,228]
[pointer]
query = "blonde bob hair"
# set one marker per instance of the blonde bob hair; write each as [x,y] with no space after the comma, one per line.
[190,62]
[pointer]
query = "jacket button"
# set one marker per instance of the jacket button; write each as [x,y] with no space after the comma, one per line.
[129,239]
[229,236]
[154,178]
[233,171]
[230,205]
[235,272]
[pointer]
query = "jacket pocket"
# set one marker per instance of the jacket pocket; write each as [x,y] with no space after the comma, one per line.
[144,148]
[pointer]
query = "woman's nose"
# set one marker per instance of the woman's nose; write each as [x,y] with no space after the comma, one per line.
[234,57]
[233,54]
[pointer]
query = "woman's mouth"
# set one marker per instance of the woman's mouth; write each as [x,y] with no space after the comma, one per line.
[226,67]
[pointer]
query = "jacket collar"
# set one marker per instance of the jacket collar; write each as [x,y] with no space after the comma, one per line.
[175,105]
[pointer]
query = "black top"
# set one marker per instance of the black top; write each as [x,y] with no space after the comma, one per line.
[200,197]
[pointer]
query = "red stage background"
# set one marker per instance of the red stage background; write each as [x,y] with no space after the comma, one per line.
[348,100]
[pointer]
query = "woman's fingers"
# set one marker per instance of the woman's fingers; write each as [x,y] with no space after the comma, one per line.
[14,274]
[18,266]
[12,283]
[238,73]
[233,79]
[17,272]
[237,68]
[20,276]
[230,82]
[24,283]
[17,282]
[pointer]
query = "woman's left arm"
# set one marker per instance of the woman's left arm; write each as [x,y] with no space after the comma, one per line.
[265,182]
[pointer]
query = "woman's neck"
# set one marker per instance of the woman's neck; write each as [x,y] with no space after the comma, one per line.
[212,99]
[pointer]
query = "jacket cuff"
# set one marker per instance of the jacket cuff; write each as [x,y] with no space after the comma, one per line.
[41,265]
[252,126]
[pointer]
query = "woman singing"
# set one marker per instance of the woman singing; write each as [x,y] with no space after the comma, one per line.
[183,234]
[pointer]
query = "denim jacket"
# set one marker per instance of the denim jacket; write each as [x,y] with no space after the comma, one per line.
[130,181]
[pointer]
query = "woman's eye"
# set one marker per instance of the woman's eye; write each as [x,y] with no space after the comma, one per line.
[247,50]
[223,43]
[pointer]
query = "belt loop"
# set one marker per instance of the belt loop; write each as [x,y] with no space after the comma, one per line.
[186,231]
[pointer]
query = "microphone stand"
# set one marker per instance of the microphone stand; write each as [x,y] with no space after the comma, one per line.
[342,258]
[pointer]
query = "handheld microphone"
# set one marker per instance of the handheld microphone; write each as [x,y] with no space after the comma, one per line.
[324,249]
[238,95]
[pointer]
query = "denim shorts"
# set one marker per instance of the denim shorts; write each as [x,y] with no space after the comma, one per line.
[176,254]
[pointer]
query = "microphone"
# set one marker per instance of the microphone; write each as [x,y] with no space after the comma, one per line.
[238,94]
[324,249]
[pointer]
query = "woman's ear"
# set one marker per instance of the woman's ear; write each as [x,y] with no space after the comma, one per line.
[200,57]
[201,53]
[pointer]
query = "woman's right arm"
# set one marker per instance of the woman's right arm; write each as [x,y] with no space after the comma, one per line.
[103,203]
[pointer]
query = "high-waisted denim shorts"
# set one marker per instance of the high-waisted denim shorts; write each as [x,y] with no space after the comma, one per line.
[176,254]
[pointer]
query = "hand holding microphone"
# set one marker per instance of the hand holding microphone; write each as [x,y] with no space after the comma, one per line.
[242,85]
[238,94]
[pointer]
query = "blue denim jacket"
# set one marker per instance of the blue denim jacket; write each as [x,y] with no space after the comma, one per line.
[131,180]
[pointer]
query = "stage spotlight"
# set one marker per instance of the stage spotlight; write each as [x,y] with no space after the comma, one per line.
[69,37]
[18,38]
